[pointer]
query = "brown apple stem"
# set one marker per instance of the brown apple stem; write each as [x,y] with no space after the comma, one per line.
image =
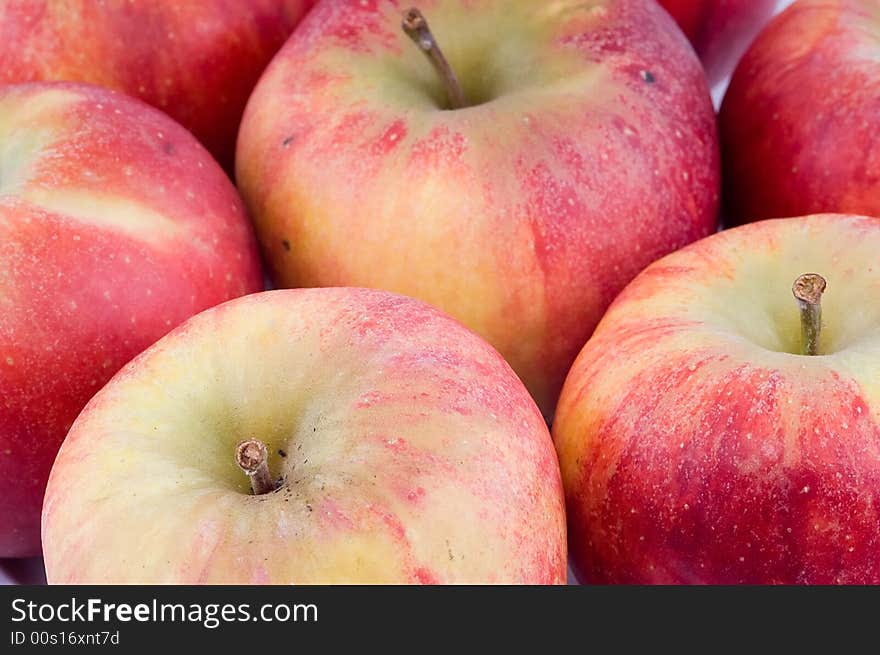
[808,290]
[252,457]
[416,27]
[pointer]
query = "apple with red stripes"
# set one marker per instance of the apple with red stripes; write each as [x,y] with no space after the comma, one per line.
[198,61]
[309,436]
[800,119]
[116,226]
[517,177]
[723,424]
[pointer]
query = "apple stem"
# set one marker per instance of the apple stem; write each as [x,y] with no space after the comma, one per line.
[252,457]
[416,27]
[808,290]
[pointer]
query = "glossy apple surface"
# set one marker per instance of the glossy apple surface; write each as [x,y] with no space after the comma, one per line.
[800,119]
[408,450]
[720,30]
[115,226]
[696,447]
[196,60]
[588,150]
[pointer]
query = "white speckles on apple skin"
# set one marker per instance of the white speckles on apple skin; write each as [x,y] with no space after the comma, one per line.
[772,452]
[200,77]
[521,216]
[404,438]
[94,268]
[811,77]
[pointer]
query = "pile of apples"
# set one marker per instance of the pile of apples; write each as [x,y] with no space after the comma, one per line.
[479,219]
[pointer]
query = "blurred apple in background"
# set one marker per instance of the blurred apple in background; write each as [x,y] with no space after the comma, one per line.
[401,449]
[585,149]
[198,61]
[699,445]
[720,30]
[115,226]
[800,119]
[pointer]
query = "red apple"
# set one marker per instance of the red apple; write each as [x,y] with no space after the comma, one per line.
[800,120]
[586,149]
[198,61]
[699,445]
[116,225]
[720,30]
[401,449]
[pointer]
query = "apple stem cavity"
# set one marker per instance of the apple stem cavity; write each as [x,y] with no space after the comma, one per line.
[416,27]
[252,457]
[808,290]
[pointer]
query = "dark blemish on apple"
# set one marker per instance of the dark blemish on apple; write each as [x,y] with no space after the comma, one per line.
[287,141]
[283,453]
[308,507]
[648,76]
[168,147]
[286,244]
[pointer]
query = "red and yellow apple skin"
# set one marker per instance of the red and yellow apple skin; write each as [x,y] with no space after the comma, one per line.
[799,122]
[115,226]
[197,61]
[409,451]
[696,449]
[720,30]
[590,152]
